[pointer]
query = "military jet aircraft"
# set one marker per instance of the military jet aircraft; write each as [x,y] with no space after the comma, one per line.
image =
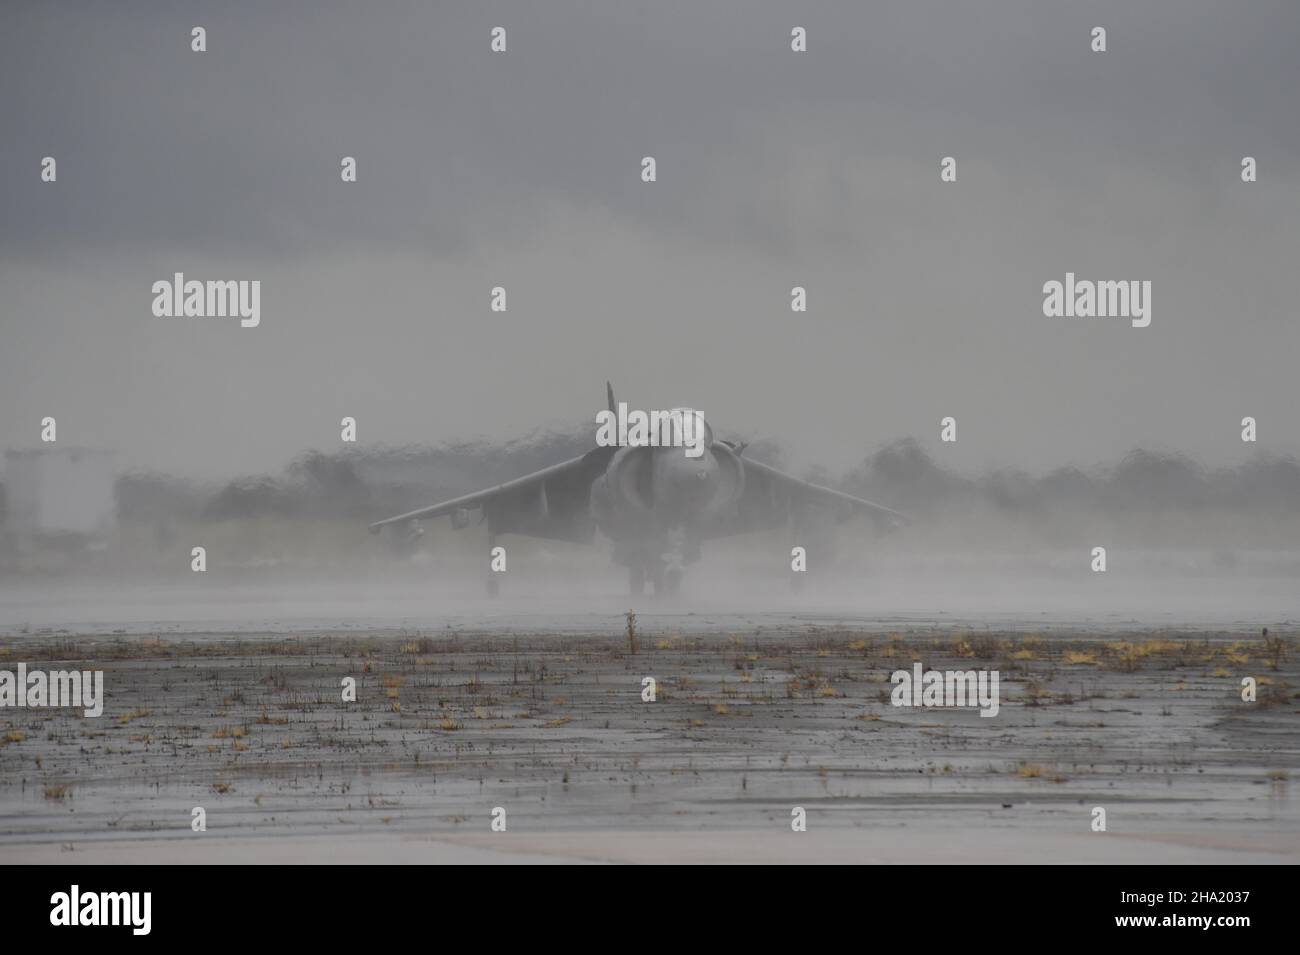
[656,503]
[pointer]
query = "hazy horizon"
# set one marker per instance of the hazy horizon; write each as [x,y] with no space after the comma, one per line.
[774,170]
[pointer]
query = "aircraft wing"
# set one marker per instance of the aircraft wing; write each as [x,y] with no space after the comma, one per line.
[551,503]
[772,498]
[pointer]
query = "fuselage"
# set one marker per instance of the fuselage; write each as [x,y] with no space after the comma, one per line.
[657,503]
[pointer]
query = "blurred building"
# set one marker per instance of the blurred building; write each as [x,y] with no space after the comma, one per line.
[59,492]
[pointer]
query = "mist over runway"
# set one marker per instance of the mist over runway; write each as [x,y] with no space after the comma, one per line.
[526,607]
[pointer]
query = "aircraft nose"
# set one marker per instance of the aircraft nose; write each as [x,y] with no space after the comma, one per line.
[693,470]
[687,482]
[697,479]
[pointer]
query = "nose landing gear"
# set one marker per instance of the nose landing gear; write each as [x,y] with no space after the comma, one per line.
[664,578]
[659,560]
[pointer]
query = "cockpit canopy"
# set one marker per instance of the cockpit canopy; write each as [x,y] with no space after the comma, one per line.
[681,427]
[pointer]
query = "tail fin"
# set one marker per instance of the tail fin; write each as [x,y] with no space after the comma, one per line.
[609,397]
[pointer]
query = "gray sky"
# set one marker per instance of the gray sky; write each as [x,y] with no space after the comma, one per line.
[775,169]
